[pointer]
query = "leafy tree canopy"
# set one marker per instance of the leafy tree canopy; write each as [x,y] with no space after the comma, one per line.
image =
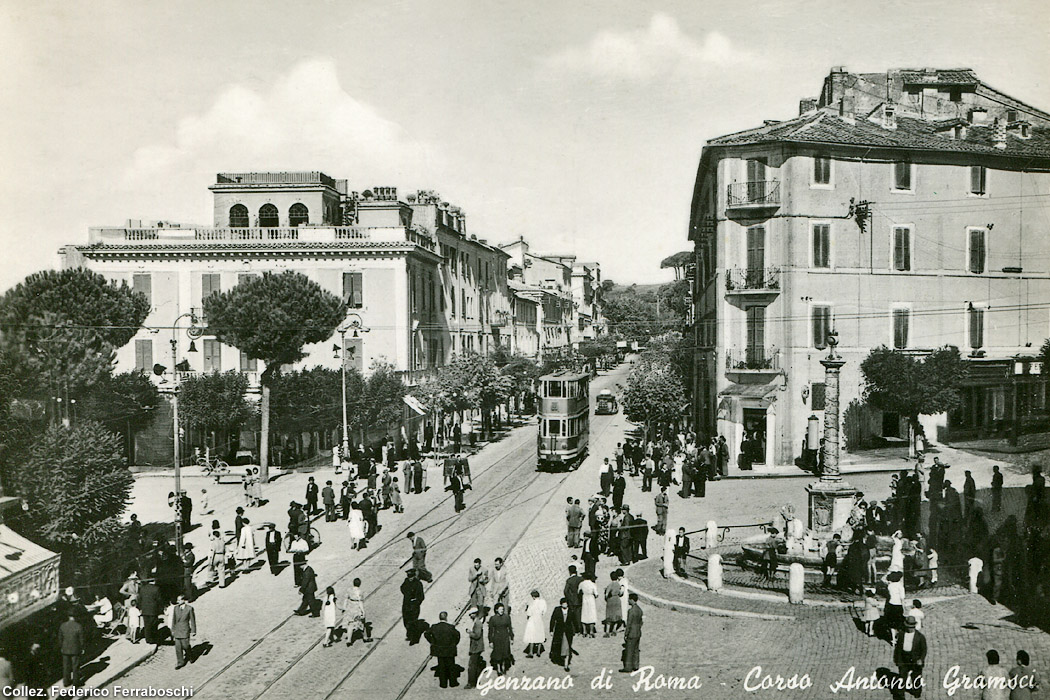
[67,324]
[272,317]
[74,479]
[654,394]
[214,401]
[306,400]
[912,386]
[119,401]
[380,401]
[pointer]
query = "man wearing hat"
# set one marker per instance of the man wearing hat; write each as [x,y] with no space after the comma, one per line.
[574,516]
[273,548]
[189,560]
[910,656]
[475,664]
[151,606]
[443,639]
[411,600]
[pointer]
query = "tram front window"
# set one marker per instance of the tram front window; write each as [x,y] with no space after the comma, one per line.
[554,428]
[555,390]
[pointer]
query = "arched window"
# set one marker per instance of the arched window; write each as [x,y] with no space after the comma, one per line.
[298,214]
[238,216]
[268,216]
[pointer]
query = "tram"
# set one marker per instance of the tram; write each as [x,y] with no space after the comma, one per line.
[565,405]
[605,403]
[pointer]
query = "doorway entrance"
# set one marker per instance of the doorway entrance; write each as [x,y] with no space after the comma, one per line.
[754,444]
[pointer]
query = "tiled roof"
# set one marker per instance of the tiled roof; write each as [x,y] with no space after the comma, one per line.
[825,127]
[949,76]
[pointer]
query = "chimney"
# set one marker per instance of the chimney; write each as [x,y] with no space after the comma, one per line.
[807,105]
[999,133]
[889,116]
[847,108]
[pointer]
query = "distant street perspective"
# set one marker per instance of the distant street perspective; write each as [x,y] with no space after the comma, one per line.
[740,393]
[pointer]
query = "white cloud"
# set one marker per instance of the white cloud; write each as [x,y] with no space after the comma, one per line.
[660,49]
[304,121]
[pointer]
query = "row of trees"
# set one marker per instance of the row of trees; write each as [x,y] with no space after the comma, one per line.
[655,393]
[66,415]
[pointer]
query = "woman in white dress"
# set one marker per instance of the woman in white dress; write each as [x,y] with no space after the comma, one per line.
[897,554]
[535,625]
[330,615]
[589,606]
[624,602]
[356,523]
[246,546]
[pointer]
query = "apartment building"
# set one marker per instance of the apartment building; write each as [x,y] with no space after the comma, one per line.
[904,209]
[547,281]
[418,285]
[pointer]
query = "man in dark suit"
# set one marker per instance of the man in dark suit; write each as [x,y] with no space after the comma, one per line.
[183,627]
[590,552]
[681,551]
[910,656]
[475,664]
[572,596]
[308,589]
[311,496]
[632,636]
[71,645]
[456,487]
[273,549]
[640,536]
[443,639]
[411,599]
[189,560]
[151,605]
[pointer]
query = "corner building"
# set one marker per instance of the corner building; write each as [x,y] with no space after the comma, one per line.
[905,209]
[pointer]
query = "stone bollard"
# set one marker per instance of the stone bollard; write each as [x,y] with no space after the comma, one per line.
[712,534]
[796,583]
[669,556]
[714,573]
[976,566]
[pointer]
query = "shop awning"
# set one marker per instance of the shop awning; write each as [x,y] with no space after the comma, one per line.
[413,403]
[749,391]
[28,577]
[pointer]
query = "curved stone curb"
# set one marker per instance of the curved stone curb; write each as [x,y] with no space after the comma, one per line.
[719,612]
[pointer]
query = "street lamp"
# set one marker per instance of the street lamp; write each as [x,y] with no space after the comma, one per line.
[355,325]
[193,332]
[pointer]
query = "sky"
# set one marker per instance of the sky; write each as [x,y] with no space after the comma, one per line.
[578,125]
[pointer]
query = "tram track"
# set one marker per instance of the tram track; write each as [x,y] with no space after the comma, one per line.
[368,560]
[421,668]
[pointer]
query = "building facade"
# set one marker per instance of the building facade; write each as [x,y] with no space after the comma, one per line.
[419,286]
[547,280]
[898,209]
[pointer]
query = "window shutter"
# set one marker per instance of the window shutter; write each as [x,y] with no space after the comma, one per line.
[817,391]
[900,328]
[977,251]
[976,328]
[906,236]
[143,284]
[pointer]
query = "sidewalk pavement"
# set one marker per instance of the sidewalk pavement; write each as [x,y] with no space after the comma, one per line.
[149,501]
[894,459]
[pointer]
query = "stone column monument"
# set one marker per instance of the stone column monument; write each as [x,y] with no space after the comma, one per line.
[830,499]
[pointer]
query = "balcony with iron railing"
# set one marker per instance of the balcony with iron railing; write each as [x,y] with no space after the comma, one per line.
[753,195]
[190,235]
[753,281]
[753,359]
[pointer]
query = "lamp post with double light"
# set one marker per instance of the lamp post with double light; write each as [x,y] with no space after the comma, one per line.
[193,332]
[353,324]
